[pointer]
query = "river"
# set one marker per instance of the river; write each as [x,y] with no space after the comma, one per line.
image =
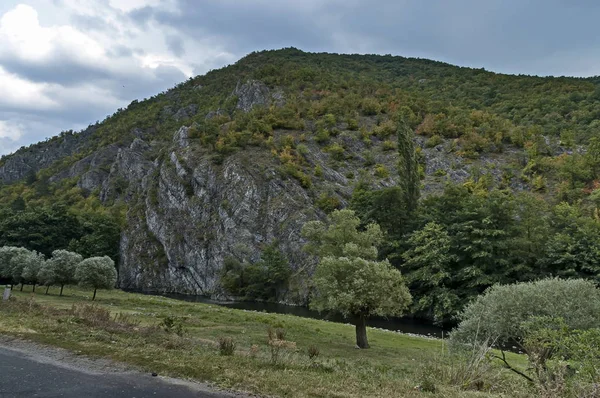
[404,325]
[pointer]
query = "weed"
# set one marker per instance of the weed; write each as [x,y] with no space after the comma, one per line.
[226,346]
[313,352]
[171,324]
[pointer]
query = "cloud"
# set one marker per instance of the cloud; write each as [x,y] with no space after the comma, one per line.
[59,75]
[66,63]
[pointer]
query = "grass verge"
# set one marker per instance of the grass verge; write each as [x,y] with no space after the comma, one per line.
[269,354]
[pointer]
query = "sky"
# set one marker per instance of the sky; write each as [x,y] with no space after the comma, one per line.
[65,64]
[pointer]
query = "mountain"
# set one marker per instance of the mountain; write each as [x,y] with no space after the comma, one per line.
[243,156]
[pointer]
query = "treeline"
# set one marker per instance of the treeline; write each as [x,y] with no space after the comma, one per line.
[45,228]
[462,241]
[29,267]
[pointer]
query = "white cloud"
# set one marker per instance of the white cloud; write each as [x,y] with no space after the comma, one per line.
[10,130]
[21,35]
[18,92]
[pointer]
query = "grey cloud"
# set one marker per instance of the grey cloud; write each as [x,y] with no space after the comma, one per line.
[496,34]
[175,45]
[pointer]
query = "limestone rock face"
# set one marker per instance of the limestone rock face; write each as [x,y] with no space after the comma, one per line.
[255,93]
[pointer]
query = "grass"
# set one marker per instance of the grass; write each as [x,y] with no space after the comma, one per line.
[181,339]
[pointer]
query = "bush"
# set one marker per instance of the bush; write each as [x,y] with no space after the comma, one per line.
[370,107]
[313,352]
[328,203]
[337,151]
[388,145]
[322,136]
[501,312]
[385,129]
[226,346]
[171,324]
[433,141]
[381,171]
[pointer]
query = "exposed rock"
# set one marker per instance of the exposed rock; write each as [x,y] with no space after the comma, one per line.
[212,114]
[186,112]
[42,155]
[255,93]
[181,137]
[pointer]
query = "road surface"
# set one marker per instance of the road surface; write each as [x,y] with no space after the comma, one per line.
[24,373]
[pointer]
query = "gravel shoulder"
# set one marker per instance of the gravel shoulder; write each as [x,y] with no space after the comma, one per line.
[28,369]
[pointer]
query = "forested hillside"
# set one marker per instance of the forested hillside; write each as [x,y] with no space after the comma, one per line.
[209,184]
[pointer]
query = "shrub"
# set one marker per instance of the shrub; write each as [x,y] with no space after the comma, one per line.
[171,324]
[352,124]
[388,145]
[322,136]
[499,314]
[369,158]
[385,129]
[381,171]
[433,141]
[328,203]
[226,346]
[337,151]
[370,107]
[313,352]
[318,171]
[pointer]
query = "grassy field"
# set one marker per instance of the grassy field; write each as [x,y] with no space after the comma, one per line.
[143,331]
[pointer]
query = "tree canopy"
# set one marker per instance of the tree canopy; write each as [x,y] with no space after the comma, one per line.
[348,278]
[96,273]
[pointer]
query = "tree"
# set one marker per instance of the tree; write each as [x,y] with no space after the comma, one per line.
[6,254]
[32,263]
[42,229]
[348,278]
[266,279]
[428,269]
[96,273]
[23,258]
[62,267]
[47,275]
[501,312]
[408,166]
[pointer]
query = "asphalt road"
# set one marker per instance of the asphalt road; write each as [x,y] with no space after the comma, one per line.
[24,375]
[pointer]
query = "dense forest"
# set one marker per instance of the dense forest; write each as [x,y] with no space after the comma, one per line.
[532,214]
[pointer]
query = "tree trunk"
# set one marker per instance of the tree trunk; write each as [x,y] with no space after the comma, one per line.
[34,287]
[361,332]
[47,288]
[94,297]
[61,289]
[22,286]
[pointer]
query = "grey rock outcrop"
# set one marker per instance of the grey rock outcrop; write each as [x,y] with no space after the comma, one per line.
[255,93]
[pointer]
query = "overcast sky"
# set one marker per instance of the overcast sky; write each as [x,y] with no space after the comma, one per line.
[66,63]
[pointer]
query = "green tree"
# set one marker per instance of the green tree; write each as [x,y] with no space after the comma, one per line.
[42,229]
[100,236]
[62,267]
[32,264]
[266,279]
[47,275]
[428,269]
[96,273]
[7,253]
[348,278]
[408,166]
[17,264]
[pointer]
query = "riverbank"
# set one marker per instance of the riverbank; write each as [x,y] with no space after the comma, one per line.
[143,331]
